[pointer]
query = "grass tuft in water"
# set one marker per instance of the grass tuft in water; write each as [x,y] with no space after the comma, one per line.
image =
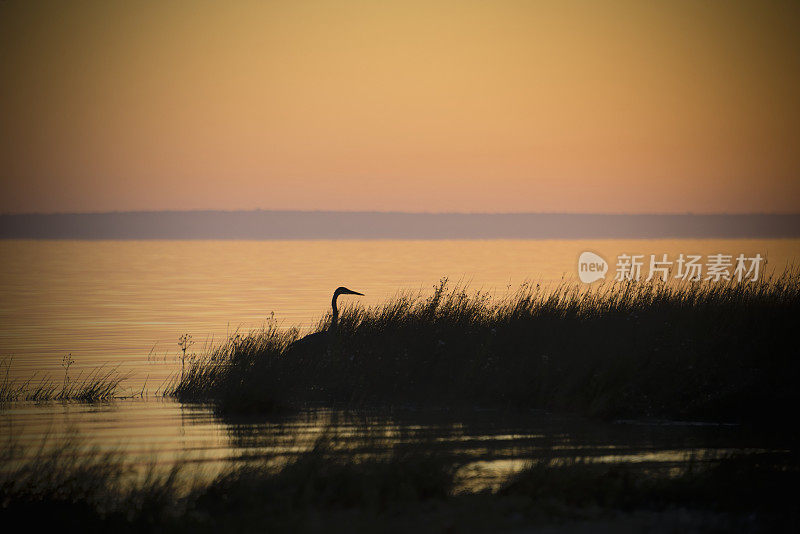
[99,385]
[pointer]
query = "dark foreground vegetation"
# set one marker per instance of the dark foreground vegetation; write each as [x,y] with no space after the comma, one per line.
[697,351]
[708,352]
[401,490]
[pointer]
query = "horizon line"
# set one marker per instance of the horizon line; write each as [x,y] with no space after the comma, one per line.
[400,212]
[290,224]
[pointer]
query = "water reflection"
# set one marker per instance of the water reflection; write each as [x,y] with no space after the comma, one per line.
[488,444]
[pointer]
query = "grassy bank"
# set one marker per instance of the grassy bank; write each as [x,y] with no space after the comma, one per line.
[321,490]
[718,352]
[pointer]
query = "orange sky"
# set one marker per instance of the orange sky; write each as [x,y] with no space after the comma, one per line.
[416,106]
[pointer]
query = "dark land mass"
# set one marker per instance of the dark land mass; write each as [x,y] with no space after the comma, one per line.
[390,225]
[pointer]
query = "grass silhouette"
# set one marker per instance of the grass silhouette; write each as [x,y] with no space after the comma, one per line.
[325,488]
[99,384]
[701,351]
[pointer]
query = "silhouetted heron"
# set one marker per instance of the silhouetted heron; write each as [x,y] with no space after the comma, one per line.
[320,340]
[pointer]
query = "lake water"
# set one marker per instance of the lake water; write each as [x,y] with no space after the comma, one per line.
[123,304]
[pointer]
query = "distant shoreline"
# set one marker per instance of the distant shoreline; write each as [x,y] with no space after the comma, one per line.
[285,225]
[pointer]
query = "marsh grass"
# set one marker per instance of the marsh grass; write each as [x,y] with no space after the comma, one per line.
[226,372]
[68,483]
[702,351]
[65,482]
[326,488]
[99,384]
[755,481]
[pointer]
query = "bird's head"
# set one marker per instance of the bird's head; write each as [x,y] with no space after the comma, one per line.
[344,291]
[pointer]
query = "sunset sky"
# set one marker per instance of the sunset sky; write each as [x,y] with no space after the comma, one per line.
[500,106]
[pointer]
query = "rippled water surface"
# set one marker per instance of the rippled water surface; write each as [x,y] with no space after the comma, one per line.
[490,444]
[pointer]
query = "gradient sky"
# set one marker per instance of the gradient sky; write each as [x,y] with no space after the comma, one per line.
[418,106]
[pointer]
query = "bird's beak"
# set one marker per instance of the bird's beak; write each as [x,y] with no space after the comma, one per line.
[354,293]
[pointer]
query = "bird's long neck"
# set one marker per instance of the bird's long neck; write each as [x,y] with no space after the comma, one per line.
[335,318]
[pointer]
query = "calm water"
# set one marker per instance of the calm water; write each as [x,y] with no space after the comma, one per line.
[124,304]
